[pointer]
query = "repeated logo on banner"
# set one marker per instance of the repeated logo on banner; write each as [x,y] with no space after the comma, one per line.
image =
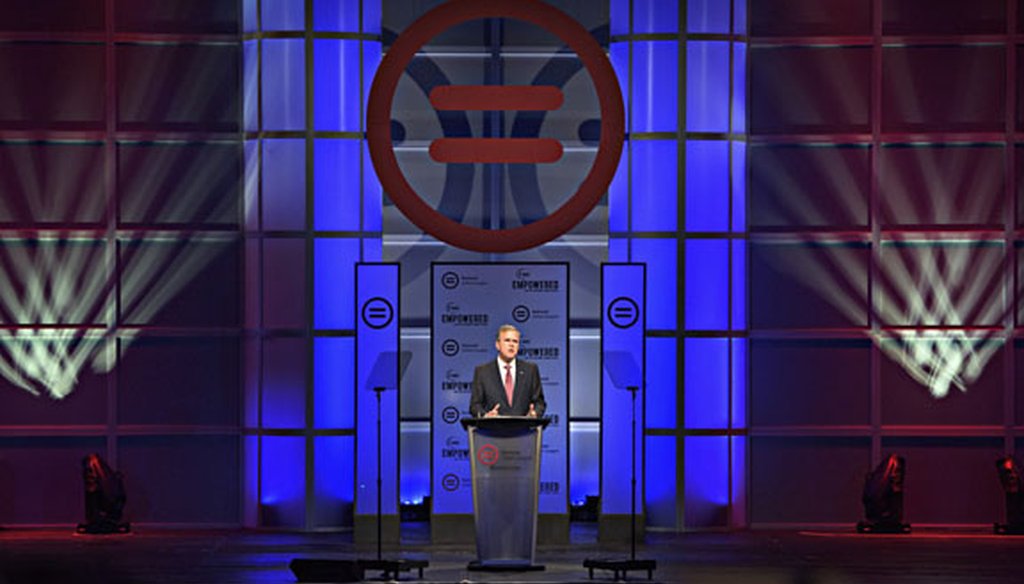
[470,302]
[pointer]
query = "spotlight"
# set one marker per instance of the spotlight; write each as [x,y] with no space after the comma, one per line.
[883,498]
[1009,478]
[104,498]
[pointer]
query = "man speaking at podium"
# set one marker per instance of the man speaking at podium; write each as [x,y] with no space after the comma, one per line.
[507,386]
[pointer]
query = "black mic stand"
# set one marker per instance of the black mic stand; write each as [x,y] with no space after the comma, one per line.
[622,567]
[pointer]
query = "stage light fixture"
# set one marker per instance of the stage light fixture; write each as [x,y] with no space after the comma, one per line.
[883,498]
[1009,478]
[104,498]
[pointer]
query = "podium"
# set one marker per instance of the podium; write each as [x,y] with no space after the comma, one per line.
[505,459]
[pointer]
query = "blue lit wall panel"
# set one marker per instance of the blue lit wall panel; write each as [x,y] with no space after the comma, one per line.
[284,383]
[707,86]
[371,60]
[739,17]
[739,383]
[373,196]
[585,462]
[250,15]
[707,284]
[618,54]
[619,16]
[708,16]
[707,383]
[739,186]
[660,481]
[655,86]
[333,480]
[283,14]
[414,477]
[373,249]
[661,383]
[284,184]
[653,16]
[739,284]
[739,87]
[337,15]
[336,99]
[707,185]
[250,86]
[654,192]
[333,282]
[618,194]
[333,399]
[336,191]
[707,481]
[662,284]
[618,249]
[284,85]
[282,488]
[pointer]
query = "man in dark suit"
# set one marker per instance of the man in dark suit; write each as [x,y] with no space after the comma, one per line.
[507,386]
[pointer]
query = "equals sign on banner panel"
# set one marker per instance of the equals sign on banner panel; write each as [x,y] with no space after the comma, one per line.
[496,98]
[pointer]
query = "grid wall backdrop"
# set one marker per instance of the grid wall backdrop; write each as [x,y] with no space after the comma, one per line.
[121,257]
[313,210]
[884,226]
[678,204]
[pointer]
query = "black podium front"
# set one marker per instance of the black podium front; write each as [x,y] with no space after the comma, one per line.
[505,458]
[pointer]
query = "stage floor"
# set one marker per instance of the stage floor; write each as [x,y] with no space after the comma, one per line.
[160,556]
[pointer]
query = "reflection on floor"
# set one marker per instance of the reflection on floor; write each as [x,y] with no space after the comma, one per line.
[161,556]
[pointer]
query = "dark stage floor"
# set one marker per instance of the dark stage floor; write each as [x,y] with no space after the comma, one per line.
[165,557]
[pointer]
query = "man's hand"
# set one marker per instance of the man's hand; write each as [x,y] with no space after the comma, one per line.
[493,412]
[532,413]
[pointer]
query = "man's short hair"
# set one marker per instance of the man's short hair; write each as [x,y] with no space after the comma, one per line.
[507,327]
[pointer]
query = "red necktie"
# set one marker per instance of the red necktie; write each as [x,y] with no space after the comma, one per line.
[508,383]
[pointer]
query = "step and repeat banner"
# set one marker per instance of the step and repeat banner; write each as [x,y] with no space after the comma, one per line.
[470,302]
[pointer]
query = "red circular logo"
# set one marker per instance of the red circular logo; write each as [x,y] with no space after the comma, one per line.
[593,186]
[487,454]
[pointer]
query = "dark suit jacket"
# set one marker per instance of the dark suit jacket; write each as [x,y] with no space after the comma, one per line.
[489,389]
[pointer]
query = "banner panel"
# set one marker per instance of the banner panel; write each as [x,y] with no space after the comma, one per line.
[378,364]
[622,355]
[470,302]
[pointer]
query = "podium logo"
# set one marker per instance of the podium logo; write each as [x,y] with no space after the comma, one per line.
[487,454]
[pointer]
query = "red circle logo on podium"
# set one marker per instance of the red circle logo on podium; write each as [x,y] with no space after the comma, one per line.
[594,184]
[487,454]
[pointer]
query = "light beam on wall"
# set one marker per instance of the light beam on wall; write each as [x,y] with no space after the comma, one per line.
[64,307]
[938,298]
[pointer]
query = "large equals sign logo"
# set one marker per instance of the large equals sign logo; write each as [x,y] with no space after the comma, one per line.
[495,150]
[496,98]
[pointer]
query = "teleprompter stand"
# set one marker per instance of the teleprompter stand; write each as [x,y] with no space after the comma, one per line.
[621,567]
[326,570]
